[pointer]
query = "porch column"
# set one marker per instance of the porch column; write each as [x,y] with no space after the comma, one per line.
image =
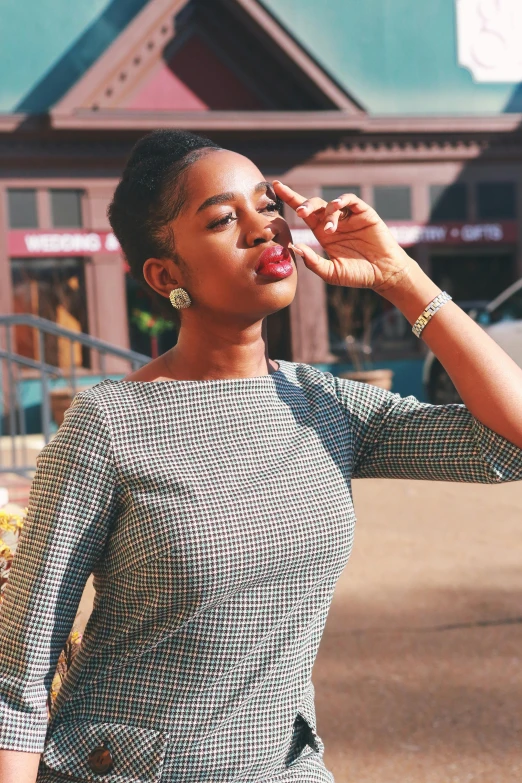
[6,290]
[308,311]
[106,292]
[105,282]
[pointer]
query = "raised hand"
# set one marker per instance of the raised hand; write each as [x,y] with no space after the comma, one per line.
[362,251]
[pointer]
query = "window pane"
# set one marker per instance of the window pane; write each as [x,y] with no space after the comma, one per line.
[393,202]
[22,208]
[331,192]
[53,288]
[66,208]
[473,278]
[449,202]
[496,201]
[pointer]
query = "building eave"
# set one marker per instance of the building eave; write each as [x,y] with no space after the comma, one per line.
[280,121]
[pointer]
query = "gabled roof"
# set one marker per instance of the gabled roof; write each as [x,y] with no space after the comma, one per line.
[201,55]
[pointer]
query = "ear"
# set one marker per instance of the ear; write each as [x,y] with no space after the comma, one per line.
[162,275]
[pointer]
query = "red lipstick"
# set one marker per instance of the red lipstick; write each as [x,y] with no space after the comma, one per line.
[275,262]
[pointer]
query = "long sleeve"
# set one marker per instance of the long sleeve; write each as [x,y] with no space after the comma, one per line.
[400,437]
[71,504]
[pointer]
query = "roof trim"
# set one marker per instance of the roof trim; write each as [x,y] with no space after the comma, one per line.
[294,121]
[142,30]
[134,51]
[299,55]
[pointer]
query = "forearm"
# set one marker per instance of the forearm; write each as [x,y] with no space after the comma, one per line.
[487,379]
[18,766]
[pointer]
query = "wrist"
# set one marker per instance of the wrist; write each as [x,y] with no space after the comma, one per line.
[413,292]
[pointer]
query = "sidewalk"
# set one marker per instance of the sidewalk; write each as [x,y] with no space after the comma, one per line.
[418,678]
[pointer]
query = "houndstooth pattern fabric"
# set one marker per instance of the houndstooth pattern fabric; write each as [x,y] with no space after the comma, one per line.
[216,517]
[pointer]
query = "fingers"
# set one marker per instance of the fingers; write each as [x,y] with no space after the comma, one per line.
[321,266]
[336,210]
[307,209]
[286,194]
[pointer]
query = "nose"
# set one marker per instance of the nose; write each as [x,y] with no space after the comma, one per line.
[260,232]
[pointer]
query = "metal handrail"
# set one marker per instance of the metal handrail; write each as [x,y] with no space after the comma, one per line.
[10,382]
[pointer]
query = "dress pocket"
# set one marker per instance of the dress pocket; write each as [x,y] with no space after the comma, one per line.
[303,740]
[85,750]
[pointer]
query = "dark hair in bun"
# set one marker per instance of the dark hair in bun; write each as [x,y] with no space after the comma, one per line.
[150,194]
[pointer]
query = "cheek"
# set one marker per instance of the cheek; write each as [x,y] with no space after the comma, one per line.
[217,262]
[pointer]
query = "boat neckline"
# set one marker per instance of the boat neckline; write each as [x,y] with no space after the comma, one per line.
[176,382]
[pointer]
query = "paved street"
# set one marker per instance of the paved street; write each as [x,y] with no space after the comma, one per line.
[419,674]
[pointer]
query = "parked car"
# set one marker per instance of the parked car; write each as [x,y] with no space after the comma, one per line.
[501,319]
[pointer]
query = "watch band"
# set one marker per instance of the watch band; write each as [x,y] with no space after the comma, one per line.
[429,312]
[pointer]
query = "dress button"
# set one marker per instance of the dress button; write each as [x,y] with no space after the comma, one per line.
[100,759]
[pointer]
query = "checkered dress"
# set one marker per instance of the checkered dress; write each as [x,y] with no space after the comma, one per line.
[216,517]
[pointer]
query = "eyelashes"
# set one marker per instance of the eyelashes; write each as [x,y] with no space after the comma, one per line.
[272,206]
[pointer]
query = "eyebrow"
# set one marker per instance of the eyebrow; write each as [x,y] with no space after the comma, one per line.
[222,198]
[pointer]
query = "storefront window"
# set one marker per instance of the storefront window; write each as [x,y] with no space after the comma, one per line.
[473,278]
[449,202]
[22,208]
[149,332]
[53,288]
[392,202]
[330,192]
[365,328]
[66,208]
[496,201]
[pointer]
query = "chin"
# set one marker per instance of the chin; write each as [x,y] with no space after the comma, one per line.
[279,295]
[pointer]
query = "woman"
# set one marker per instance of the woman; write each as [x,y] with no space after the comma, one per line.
[209,491]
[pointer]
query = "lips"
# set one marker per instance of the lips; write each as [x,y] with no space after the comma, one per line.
[275,262]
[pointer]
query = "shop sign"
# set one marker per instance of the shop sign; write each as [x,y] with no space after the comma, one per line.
[60,243]
[488,39]
[408,233]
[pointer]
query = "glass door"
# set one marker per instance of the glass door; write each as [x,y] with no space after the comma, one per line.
[52,288]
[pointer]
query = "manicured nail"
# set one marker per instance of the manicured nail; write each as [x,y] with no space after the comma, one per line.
[301,208]
[329,226]
[336,200]
[296,249]
[276,182]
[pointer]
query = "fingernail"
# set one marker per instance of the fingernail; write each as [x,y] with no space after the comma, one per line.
[297,249]
[301,208]
[336,200]
[329,226]
[276,182]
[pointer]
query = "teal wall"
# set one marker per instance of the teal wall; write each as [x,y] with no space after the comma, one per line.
[394,56]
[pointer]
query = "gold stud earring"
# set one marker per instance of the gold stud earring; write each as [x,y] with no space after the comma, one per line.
[180,299]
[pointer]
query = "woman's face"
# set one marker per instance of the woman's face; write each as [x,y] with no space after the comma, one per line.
[229,219]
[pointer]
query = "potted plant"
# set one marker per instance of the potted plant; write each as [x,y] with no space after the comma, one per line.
[10,527]
[152,325]
[354,309]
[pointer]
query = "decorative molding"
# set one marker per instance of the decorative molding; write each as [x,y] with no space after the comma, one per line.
[381,149]
[132,53]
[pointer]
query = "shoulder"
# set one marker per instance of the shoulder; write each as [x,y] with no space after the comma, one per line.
[362,400]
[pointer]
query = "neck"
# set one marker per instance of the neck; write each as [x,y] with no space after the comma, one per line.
[220,351]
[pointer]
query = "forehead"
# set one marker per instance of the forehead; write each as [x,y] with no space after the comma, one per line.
[222,171]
